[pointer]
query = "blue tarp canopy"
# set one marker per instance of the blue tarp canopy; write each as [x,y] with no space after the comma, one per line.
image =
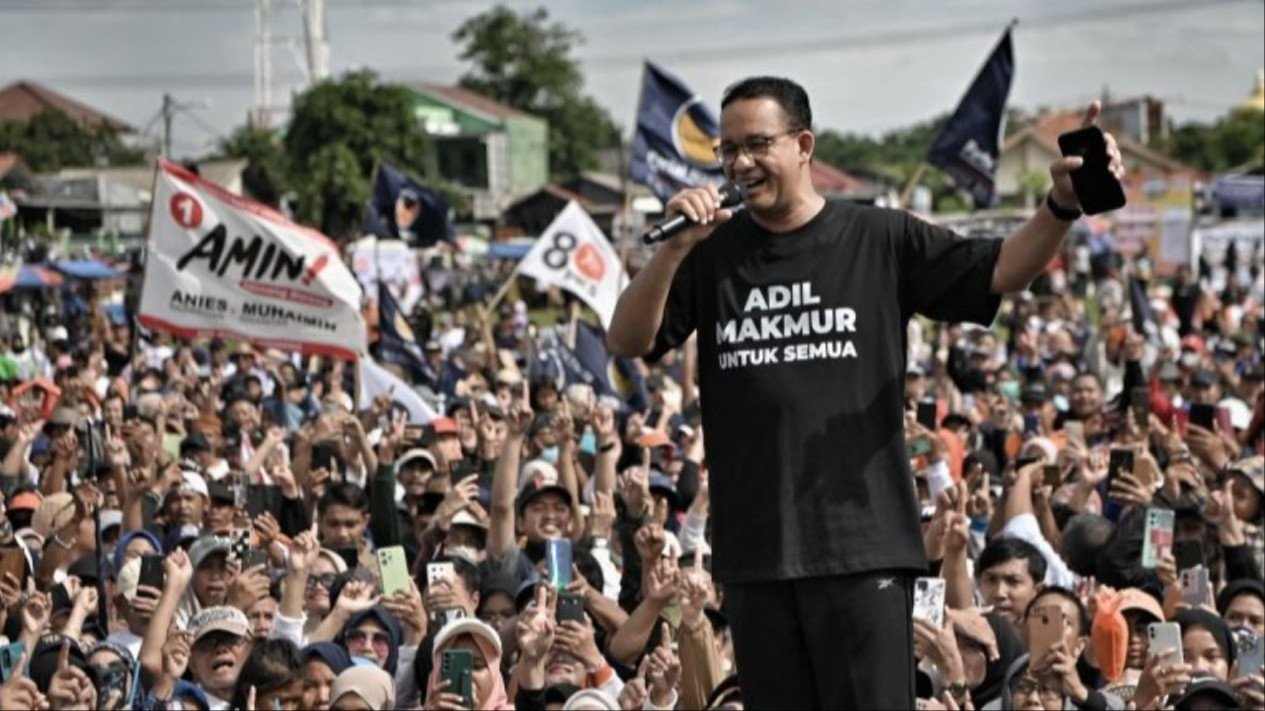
[87,269]
[508,250]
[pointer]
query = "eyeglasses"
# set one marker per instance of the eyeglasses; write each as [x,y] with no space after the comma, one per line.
[361,638]
[326,581]
[752,147]
[1027,685]
[215,640]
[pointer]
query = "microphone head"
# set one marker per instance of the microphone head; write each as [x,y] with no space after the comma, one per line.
[731,194]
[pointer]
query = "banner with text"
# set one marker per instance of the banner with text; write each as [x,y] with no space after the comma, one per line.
[219,265]
[574,254]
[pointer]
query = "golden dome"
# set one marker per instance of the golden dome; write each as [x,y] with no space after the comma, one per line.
[1256,100]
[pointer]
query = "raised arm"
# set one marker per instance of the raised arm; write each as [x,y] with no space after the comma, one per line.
[504,482]
[1026,252]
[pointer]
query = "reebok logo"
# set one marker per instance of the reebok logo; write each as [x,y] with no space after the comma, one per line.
[885,583]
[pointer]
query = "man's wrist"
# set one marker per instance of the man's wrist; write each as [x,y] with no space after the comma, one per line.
[1059,207]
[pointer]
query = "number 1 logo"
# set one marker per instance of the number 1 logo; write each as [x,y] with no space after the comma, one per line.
[186,210]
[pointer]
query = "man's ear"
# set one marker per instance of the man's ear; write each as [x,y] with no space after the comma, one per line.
[807,146]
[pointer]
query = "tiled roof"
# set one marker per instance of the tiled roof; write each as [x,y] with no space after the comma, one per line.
[22,100]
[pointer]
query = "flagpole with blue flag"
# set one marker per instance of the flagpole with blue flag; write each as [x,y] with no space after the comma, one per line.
[969,144]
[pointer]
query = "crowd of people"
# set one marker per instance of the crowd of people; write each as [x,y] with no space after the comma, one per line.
[207,525]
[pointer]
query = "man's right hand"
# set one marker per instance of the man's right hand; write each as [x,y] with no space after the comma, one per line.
[702,206]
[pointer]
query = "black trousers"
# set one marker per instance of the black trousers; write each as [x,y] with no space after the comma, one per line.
[842,642]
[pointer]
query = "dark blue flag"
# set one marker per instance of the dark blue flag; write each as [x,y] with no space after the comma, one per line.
[589,363]
[969,144]
[400,208]
[396,342]
[674,144]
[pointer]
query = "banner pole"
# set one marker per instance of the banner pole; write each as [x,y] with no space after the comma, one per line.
[913,183]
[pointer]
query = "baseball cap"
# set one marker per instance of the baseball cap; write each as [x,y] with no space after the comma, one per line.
[472,626]
[64,416]
[44,659]
[1135,599]
[221,618]
[1207,688]
[206,546]
[192,481]
[58,333]
[913,368]
[26,501]
[1253,468]
[539,477]
[1204,379]
[195,443]
[508,376]
[498,581]
[444,426]
[1035,392]
[654,438]
[465,518]
[414,455]
[660,484]
[219,492]
[1169,372]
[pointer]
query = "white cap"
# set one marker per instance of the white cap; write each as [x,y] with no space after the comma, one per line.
[58,333]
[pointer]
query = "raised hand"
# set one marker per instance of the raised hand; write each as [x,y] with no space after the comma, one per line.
[1060,170]
[177,569]
[536,628]
[663,672]
[662,581]
[176,651]
[18,691]
[650,541]
[357,596]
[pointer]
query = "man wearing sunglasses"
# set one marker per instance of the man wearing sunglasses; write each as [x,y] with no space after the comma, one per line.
[801,306]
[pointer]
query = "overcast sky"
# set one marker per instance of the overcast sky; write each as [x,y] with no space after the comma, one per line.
[869,65]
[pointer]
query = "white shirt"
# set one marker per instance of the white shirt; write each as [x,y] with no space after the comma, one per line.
[1025,528]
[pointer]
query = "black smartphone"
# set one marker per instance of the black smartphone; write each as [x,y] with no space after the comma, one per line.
[1203,415]
[261,498]
[152,573]
[253,557]
[1096,188]
[350,556]
[1119,462]
[1052,476]
[459,469]
[927,414]
[1140,404]
[570,607]
[1022,462]
[1188,553]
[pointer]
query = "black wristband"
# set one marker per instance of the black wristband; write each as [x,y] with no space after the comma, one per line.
[606,447]
[1060,212]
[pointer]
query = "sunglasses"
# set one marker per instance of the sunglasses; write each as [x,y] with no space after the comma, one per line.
[326,581]
[362,638]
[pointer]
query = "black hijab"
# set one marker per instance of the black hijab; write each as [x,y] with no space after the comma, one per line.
[1009,649]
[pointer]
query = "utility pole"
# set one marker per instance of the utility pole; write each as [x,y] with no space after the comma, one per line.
[310,53]
[169,112]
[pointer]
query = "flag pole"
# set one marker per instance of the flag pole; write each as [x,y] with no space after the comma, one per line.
[913,183]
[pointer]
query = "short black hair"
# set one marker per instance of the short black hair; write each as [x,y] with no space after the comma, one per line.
[1084,627]
[342,494]
[1004,550]
[271,664]
[788,94]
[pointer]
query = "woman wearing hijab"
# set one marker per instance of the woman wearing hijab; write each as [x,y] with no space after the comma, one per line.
[484,644]
[363,688]
[374,635]
[322,663]
[963,660]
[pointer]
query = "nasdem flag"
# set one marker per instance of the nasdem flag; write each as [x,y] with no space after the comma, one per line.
[969,144]
[403,209]
[396,343]
[673,145]
[573,254]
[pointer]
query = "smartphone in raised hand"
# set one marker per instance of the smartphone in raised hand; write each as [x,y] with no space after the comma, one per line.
[929,600]
[1097,189]
[393,570]
[1158,538]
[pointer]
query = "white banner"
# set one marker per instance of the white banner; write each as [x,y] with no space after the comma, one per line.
[574,254]
[219,265]
[398,265]
[376,380]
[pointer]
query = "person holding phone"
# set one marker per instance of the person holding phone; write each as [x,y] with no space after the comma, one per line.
[483,645]
[815,520]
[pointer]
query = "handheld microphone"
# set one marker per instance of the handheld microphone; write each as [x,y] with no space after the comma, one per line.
[730,195]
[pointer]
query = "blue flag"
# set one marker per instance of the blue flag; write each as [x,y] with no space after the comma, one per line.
[673,147]
[396,342]
[969,144]
[589,363]
[400,208]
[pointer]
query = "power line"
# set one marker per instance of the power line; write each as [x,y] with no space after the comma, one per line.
[833,44]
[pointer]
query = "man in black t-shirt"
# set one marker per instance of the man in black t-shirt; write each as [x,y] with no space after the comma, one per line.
[801,305]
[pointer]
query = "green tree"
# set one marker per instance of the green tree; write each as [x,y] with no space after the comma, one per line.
[1231,141]
[51,140]
[266,178]
[524,61]
[340,130]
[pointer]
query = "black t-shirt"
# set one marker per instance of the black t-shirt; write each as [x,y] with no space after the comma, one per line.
[802,370]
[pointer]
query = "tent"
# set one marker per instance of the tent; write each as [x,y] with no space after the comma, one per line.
[28,276]
[90,269]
